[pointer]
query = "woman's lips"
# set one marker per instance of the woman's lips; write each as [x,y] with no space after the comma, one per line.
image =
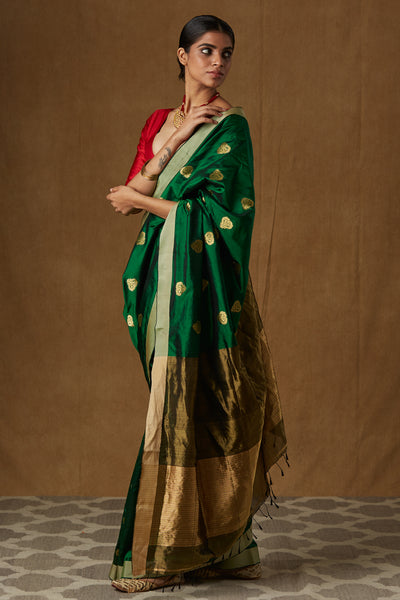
[216,74]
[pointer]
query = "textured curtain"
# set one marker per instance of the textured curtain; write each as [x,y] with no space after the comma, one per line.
[319,84]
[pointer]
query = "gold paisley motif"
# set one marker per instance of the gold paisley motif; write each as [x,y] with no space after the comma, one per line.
[203,199]
[197,326]
[209,237]
[247,203]
[216,175]
[188,205]
[197,246]
[141,239]
[186,171]
[237,307]
[129,320]
[224,148]
[132,284]
[180,288]
[204,284]
[226,223]
[222,317]
[140,319]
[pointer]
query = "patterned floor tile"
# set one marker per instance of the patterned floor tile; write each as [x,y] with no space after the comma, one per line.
[313,549]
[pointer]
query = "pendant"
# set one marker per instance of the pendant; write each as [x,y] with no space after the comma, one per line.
[179,117]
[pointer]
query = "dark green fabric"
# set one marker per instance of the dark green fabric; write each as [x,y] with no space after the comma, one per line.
[123,550]
[210,212]
[186,286]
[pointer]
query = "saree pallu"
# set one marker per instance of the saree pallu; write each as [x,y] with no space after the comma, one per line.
[214,425]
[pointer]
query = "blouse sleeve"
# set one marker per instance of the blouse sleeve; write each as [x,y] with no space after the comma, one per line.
[140,157]
[145,146]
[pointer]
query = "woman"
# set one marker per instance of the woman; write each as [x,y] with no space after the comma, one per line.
[214,426]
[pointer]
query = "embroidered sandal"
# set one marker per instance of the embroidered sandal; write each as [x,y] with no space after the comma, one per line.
[147,584]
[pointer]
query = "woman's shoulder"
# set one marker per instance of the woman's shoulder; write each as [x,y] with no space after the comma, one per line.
[222,103]
[229,111]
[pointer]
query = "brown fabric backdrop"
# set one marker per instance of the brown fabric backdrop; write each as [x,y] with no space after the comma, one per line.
[319,83]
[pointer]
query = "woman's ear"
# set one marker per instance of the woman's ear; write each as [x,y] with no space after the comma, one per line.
[181,54]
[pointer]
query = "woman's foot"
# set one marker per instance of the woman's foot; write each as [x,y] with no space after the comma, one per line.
[250,572]
[146,584]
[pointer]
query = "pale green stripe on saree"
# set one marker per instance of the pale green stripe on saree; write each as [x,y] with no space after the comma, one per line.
[165,260]
[177,162]
[118,571]
[182,155]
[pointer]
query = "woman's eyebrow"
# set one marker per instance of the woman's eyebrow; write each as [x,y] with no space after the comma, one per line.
[212,46]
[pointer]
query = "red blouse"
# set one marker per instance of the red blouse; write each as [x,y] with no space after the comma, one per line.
[145,146]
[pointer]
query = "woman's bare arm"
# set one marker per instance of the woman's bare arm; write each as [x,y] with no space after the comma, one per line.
[126,201]
[137,195]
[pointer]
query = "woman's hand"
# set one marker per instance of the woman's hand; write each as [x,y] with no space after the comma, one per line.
[125,200]
[197,116]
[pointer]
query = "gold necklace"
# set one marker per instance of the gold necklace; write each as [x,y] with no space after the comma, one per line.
[179,115]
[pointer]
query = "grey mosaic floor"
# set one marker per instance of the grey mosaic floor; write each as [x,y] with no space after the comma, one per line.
[314,548]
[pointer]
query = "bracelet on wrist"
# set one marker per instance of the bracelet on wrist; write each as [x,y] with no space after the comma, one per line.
[146,175]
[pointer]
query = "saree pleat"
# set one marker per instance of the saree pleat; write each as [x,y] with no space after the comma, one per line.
[214,425]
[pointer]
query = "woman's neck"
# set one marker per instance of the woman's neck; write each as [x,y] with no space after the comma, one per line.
[197,95]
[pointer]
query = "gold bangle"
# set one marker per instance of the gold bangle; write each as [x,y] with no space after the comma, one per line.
[146,175]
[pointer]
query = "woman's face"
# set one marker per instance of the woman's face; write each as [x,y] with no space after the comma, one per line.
[208,60]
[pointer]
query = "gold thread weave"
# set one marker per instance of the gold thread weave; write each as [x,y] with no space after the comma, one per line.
[247,203]
[209,238]
[226,223]
[186,171]
[224,148]
[132,284]
[180,288]
[141,239]
[216,175]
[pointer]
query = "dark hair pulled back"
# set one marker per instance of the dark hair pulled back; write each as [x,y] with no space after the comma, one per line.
[197,27]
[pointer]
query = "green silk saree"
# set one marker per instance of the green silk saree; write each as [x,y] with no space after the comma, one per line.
[214,425]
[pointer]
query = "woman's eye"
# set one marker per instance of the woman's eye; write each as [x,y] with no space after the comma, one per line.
[225,55]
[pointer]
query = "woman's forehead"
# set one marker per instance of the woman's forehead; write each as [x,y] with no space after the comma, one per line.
[218,39]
